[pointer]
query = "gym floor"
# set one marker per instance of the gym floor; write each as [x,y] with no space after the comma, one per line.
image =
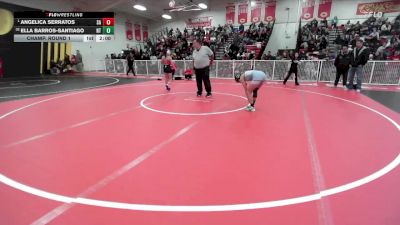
[117,150]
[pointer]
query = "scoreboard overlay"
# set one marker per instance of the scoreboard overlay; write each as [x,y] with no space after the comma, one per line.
[63,26]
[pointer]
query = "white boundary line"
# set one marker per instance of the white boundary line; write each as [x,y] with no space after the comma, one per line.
[324,211]
[29,86]
[364,86]
[207,208]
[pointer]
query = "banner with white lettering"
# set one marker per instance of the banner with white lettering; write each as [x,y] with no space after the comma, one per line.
[242,16]
[137,32]
[145,33]
[256,12]
[204,22]
[129,30]
[230,13]
[270,7]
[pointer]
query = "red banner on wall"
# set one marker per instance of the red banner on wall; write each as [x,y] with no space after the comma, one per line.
[270,7]
[145,33]
[376,7]
[256,12]
[138,36]
[199,22]
[242,16]
[230,13]
[129,30]
[307,11]
[324,9]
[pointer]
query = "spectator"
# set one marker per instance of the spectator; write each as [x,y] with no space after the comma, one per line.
[358,58]
[374,35]
[354,41]
[130,59]
[67,63]
[324,23]
[304,45]
[60,66]
[73,60]
[395,56]
[252,27]
[342,64]
[251,55]
[53,68]
[303,55]
[340,41]
[268,56]
[314,23]
[348,26]
[311,46]
[285,56]
[79,61]
[188,74]
[371,56]
[239,56]
[335,22]
[323,55]
[396,25]
[379,54]
[241,28]
[323,44]
[357,27]
[386,28]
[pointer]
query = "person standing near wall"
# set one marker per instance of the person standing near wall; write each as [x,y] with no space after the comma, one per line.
[293,69]
[342,64]
[130,59]
[202,59]
[358,58]
[79,61]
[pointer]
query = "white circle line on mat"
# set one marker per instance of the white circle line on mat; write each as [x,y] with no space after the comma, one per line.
[142,103]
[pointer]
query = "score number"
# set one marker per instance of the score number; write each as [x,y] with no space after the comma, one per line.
[108,30]
[108,22]
[108,25]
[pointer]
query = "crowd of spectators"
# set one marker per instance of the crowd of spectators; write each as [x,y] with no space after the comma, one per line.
[233,42]
[380,35]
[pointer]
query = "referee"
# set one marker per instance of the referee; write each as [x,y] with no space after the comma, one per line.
[202,59]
